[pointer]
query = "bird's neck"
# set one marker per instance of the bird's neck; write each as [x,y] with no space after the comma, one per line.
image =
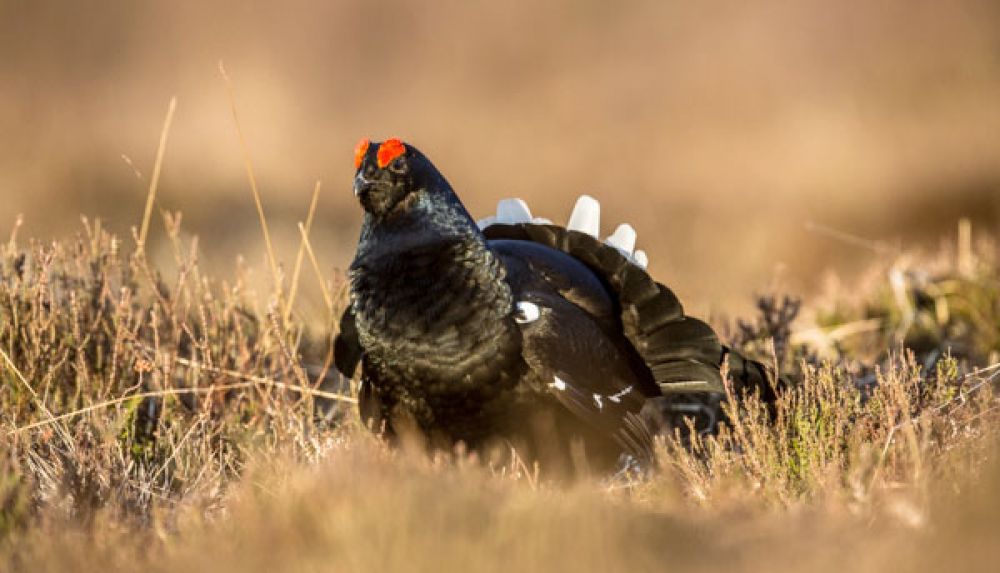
[426,286]
[421,218]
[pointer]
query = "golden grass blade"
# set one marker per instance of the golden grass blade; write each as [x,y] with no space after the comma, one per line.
[880,247]
[294,288]
[319,273]
[264,381]
[272,261]
[155,179]
[249,382]
[823,337]
[140,395]
[135,170]
[18,223]
[966,263]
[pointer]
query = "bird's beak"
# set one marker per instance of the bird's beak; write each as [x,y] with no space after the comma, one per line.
[361,185]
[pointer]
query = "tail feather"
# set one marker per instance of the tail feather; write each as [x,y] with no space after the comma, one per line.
[486,222]
[683,353]
[513,211]
[752,377]
[653,313]
[586,216]
[623,239]
[641,259]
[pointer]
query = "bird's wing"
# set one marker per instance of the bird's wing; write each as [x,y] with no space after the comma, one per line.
[347,349]
[572,339]
[580,366]
[683,353]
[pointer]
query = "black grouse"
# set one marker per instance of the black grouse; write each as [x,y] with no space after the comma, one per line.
[512,329]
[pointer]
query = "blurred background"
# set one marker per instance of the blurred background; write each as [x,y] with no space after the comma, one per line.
[719,129]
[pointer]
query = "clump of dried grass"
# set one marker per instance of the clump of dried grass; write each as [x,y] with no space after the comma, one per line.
[125,385]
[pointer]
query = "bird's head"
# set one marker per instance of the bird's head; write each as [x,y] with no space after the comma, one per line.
[390,172]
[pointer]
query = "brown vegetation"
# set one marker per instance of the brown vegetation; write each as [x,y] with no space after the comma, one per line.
[159,419]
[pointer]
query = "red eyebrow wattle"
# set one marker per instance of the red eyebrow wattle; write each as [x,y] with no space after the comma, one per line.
[389,150]
[360,150]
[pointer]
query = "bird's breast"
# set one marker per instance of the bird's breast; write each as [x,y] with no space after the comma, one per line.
[434,317]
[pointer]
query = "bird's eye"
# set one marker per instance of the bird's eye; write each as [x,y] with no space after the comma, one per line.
[398,164]
[526,312]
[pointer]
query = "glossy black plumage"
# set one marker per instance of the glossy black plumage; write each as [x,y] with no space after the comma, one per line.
[524,332]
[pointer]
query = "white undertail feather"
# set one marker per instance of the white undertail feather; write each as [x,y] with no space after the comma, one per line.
[585,218]
[486,222]
[640,259]
[623,238]
[513,211]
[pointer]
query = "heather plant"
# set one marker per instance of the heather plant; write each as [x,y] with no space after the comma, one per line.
[154,415]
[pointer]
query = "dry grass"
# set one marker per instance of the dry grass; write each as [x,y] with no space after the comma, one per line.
[157,419]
